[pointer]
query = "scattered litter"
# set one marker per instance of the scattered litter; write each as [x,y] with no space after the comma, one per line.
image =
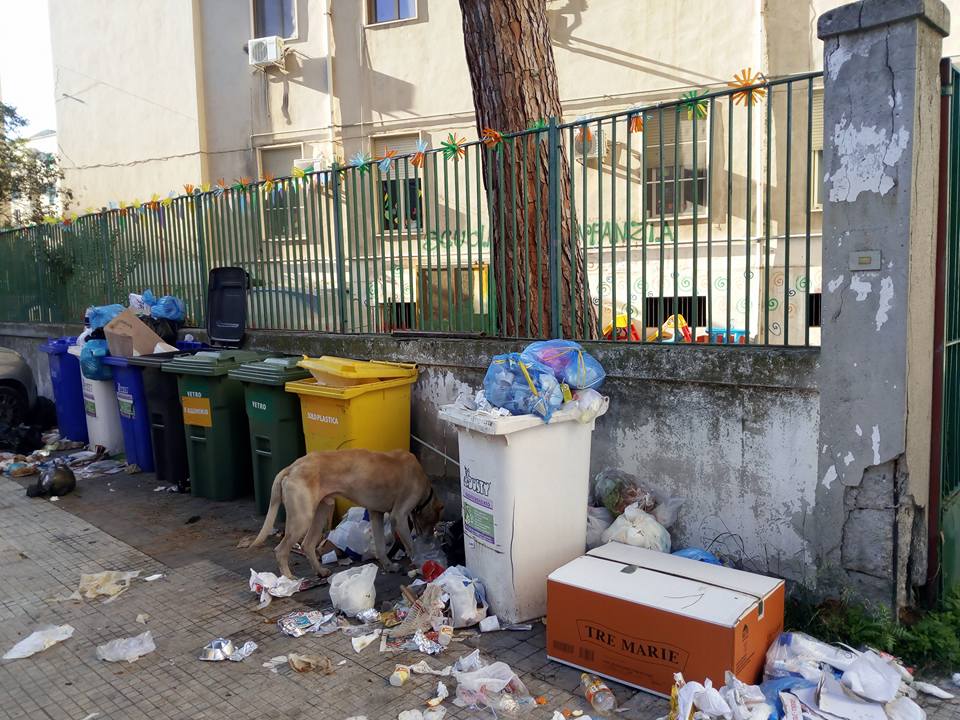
[354,536]
[109,583]
[441,695]
[101,467]
[425,644]
[602,699]
[224,649]
[410,715]
[151,578]
[40,639]
[872,678]
[799,654]
[423,668]
[495,686]
[933,690]
[275,662]
[616,490]
[370,615]
[956,679]
[400,675]
[517,627]
[54,499]
[639,528]
[300,622]
[903,708]
[359,643]
[142,618]
[308,663]
[165,488]
[128,649]
[92,716]
[491,623]
[329,558]
[353,590]
[270,586]
[436,713]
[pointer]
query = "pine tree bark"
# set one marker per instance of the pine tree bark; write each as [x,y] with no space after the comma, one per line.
[514,81]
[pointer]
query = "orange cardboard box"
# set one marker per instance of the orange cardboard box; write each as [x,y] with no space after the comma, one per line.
[639,616]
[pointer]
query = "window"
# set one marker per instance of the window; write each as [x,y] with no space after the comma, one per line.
[684,307]
[816,145]
[281,207]
[382,11]
[813,309]
[680,184]
[401,194]
[275,17]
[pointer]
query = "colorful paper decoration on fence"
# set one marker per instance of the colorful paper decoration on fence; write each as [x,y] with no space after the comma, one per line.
[361,161]
[219,187]
[693,104]
[241,183]
[386,160]
[188,189]
[493,139]
[744,79]
[298,172]
[154,202]
[268,183]
[540,124]
[168,200]
[583,134]
[418,156]
[204,188]
[453,147]
[635,122]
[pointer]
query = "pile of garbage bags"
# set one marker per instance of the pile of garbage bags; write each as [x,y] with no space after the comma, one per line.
[810,679]
[163,315]
[542,378]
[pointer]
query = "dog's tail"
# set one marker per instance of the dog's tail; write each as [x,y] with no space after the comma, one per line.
[276,497]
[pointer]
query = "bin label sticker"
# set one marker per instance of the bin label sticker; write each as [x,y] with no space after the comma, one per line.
[257,405]
[196,411]
[325,419]
[478,518]
[125,403]
[89,404]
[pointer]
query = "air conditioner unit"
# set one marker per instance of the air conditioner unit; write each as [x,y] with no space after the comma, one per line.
[265,51]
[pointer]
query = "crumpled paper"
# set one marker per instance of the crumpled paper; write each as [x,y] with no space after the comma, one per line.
[128,649]
[300,622]
[306,663]
[40,639]
[109,583]
[270,586]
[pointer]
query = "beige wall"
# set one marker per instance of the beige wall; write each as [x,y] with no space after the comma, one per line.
[126,95]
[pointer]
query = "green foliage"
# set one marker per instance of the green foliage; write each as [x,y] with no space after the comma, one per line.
[27,176]
[929,641]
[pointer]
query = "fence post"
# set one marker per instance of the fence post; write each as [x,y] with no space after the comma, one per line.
[553,208]
[201,257]
[881,101]
[108,256]
[338,246]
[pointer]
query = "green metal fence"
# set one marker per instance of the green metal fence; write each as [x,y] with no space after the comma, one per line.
[612,227]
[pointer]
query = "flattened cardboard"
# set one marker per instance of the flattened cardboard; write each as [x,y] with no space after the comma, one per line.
[128,336]
[639,616]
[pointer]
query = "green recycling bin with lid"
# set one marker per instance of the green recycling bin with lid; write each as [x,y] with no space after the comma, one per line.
[215,424]
[276,431]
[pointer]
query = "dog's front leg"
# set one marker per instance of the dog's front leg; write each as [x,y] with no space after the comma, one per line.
[379,543]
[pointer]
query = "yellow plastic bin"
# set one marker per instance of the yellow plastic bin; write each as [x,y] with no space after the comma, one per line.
[354,404]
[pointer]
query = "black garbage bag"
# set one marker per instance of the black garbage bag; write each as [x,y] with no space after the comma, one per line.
[166,329]
[20,439]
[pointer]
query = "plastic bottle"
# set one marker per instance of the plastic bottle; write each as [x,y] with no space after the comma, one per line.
[600,697]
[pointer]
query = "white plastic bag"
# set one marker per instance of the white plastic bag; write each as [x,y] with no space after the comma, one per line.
[635,527]
[40,639]
[496,686]
[598,520]
[353,534]
[872,678]
[709,700]
[589,404]
[795,653]
[903,708]
[128,649]
[270,586]
[353,590]
[463,597]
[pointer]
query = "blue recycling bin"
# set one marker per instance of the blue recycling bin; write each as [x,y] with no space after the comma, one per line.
[134,416]
[67,389]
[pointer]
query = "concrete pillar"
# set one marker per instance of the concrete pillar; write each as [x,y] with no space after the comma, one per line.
[881,124]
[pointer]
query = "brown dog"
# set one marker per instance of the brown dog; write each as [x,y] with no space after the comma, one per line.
[382,482]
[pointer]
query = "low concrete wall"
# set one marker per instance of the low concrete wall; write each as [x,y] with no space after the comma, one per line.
[732,430]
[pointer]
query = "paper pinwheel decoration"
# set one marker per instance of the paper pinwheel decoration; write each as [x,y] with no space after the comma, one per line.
[220,187]
[492,138]
[168,200]
[453,147]
[136,204]
[154,202]
[49,220]
[241,183]
[744,79]
[205,187]
[188,189]
[112,205]
[693,104]
[635,121]
[123,208]
[419,156]
[386,160]
[268,183]
[583,134]
[361,161]
[298,172]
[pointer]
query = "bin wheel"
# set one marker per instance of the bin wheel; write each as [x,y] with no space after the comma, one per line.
[13,406]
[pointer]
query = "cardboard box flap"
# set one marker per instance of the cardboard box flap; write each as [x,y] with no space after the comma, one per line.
[682,596]
[758,586]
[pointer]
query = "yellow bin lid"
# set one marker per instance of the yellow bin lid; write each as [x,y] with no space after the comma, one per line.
[346,372]
[314,388]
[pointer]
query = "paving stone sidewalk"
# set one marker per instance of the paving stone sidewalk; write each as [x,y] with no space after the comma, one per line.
[45,546]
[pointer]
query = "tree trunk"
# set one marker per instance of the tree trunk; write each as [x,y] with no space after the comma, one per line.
[514,83]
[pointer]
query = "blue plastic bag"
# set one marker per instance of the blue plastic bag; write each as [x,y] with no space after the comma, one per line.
[91,360]
[522,385]
[167,307]
[568,361]
[771,690]
[100,315]
[698,554]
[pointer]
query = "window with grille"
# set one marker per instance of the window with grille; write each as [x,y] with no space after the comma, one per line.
[401,196]
[672,183]
[275,17]
[383,11]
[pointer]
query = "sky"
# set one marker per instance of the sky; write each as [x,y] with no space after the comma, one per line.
[26,62]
